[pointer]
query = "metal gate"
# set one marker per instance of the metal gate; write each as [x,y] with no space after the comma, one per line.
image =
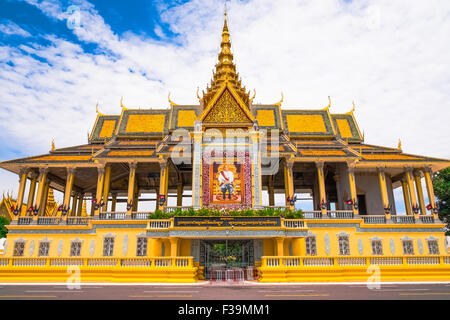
[227,259]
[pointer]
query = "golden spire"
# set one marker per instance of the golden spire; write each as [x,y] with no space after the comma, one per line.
[53,145]
[399,147]
[225,71]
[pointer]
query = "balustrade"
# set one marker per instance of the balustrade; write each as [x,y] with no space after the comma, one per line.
[422,260]
[426,219]
[62,262]
[112,215]
[84,221]
[140,215]
[374,219]
[403,219]
[24,220]
[160,224]
[340,214]
[49,221]
[294,224]
[312,214]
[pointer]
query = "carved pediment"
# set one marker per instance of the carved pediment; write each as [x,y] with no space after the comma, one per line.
[226,110]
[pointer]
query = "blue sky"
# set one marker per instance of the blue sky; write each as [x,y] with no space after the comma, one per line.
[391,58]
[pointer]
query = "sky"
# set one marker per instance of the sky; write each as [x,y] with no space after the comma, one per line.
[58,59]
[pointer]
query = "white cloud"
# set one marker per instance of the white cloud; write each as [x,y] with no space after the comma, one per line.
[390,57]
[10,28]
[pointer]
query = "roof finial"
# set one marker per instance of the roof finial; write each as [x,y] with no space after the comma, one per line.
[170,101]
[282,98]
[399,146]
[254,95]
[96,108]
[53,144]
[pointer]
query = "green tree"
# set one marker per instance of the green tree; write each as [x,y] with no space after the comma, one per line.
[3,229]
[441,185]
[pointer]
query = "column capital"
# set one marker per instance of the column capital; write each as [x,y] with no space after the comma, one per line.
[101,170]
[163,164]
[24,170]
[417,173]
[289,163]
[34,174]
[133,165]
[408,169]
[428,169]
[43,170]
[71,170]
[381,169]
[320,164]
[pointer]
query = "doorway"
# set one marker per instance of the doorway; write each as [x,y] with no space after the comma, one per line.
[225,254]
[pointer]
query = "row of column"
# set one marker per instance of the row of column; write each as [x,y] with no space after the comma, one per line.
[413,204]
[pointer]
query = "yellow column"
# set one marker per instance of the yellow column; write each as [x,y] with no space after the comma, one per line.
[417,180]
[136,196]
[173,247]
[113,202]
[383,189]
[321,178]
[280,246]
[179,195]
[406,197]
[163,186]
[22,184]
[289,182]
[41,188]
[298,245]
[412,193]
[106,188]
[100,183]
[68,188]
[73,212]
[131,184]
[80,205]
[32,190]
[271,191]
[352,183]
[44,199]
[154,247]
[430,190]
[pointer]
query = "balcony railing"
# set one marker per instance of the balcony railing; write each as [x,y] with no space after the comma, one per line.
[112,215]
[49,221]
[381,219]
[182,208]
[160,224]
[24,220]
[312,214]
[277,207]
[426,219]
[403,219]
[78,221]
[308,261]
[140,215]
[294,224]
[340,214]
[150,262]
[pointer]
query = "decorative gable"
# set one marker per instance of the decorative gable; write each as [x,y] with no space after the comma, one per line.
[227,110]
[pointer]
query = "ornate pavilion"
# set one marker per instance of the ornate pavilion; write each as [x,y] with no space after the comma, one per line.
[188,151]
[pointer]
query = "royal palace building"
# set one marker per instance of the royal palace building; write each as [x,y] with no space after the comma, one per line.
[225,161]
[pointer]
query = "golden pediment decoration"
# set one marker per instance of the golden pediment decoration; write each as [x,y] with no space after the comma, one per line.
[226,110]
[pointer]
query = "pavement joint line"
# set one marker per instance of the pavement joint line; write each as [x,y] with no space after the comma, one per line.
[298,295]
[393,290]
[423,294]
[18,296]
[280,291]
[247,284]
[49,291]
[162,291]
[160,296]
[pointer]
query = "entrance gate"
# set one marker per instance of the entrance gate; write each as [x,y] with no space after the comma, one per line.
[227,260]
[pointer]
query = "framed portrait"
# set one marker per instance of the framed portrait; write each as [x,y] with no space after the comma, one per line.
[226,183]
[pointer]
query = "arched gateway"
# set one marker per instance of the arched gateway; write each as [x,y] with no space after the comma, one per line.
[224,161]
